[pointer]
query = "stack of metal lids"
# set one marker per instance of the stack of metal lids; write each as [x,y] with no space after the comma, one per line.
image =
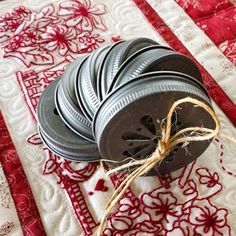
[111,103]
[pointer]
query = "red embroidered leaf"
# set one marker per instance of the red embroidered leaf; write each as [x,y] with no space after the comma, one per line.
[49,167]
[32,57]
[45,16]
[191,188]
[148,226]
[34,139]
[45,12]
[25,24]
[121,223]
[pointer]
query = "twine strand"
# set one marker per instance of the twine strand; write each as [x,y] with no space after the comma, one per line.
[163,149]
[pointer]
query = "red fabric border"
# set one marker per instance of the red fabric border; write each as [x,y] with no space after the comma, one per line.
[20,189]
[215,91]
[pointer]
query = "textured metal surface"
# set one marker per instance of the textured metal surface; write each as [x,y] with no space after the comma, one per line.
[70,111]
[87,82]
[117,55]
[128,118]
[100,76]
[56,135]
[154,59]
[72,116]
[69,76]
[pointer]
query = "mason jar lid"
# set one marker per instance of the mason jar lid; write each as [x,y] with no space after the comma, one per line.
[56,135]
[128,122]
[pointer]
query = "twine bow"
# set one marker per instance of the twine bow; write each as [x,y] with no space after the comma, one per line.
[163,149]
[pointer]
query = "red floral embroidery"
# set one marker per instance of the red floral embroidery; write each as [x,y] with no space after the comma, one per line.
[61,38]
[161,207]
[208,219]
[160,213]
[90,42]
[83,15]
[35,37]
[205,177]
[129,207]
[11,21]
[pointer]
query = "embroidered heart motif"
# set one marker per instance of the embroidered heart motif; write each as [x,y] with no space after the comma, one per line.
[100,186]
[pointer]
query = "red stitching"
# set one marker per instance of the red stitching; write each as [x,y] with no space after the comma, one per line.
[222,161]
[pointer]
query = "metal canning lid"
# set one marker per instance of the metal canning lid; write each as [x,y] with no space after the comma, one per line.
[129,119]
[94,62]
[68,77]
[155,59]
[56,135]
[72,156]
[87,82]
[117,55]
[71,115]
[80,83]
[131,58]
[67,104]
[100,70]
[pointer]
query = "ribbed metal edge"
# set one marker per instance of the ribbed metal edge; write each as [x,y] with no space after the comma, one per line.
[151,60]
[125,95]
[81,97]
[88,98]
[82,129]
[132,58]
[67,78]
[75,154]
[111,66]
[70,107]
[100,70]
[117,56]
[89,83]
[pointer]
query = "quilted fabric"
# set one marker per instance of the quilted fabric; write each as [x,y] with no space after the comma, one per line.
[43,194]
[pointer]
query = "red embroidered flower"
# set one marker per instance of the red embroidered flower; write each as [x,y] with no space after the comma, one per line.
[31,36]
[129,207]
[182,228]
[21,11]
[161,208]
[90,42]
[11,24]
[82,15]
[16,42]
[207,178]
[208,219]
[61,38]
